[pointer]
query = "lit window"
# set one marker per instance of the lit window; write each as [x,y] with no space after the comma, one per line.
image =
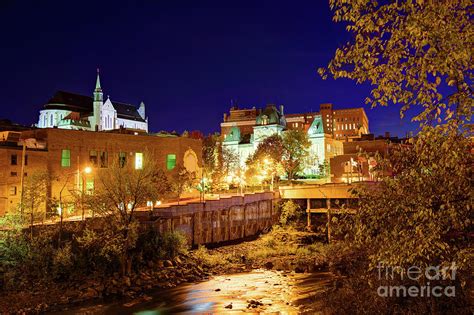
[66,158]
[89,184]
[14,159]
[170,161]
[138,161]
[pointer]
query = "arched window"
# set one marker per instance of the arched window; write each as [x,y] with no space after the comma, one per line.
[51,120]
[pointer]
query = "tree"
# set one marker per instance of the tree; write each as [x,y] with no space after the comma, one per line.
[120,191]
[181,180]
[421,216]
[296,146]
[211,150]
[266,160]
[219,161]
[35,195]
[411,52]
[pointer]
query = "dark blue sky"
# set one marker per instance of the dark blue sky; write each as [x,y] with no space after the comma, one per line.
[185,59]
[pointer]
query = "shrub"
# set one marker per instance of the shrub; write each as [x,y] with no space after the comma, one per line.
[63,261]
[204,257]
[174,243]
[290,213]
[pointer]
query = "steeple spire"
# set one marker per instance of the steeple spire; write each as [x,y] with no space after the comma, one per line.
[96,120]
[97,83]
[98,95]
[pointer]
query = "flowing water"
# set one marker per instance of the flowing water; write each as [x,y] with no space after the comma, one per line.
[259,291]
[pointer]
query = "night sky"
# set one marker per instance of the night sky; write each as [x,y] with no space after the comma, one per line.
[185,59]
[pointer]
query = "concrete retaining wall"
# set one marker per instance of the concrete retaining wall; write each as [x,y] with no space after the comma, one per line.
[216,221]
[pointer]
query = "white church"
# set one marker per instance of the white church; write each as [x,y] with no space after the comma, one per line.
[79,112]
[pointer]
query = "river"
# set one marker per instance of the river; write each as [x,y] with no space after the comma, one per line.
[258,291]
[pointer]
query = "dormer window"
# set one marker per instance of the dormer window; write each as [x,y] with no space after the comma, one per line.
[264,120]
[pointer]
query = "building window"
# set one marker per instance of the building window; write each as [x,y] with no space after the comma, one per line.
[138,161]
[103,159]
[122,159]
[26,159]
[12,190]
[51,117]
[93,157]
[13,174]
[90,184]
[14,159]
[66,158]
[170,161]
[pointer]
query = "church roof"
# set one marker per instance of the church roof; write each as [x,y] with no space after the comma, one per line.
[84,104]
[127,111]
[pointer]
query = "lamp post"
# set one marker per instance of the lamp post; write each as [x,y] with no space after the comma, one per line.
[87,170]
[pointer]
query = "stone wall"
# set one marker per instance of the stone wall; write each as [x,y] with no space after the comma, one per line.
[216,221]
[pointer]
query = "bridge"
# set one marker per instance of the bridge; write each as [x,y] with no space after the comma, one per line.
[328,199]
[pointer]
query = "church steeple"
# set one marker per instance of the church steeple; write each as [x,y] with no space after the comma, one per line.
[98,95]
[96,121]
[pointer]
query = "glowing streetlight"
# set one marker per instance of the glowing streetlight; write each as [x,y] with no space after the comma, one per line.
[87,170]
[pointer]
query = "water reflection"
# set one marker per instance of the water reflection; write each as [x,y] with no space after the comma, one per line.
[259,291]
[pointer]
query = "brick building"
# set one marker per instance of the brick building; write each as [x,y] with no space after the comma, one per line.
[342,124]
[12,158]
[243,129]
[64,154]
[352,166]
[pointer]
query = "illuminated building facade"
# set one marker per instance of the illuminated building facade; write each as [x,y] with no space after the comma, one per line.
[67,110]
[64,154]
[243,129]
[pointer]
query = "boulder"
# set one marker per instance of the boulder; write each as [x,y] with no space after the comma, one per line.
[268,265]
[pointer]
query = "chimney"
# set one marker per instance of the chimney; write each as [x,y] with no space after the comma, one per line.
[225,117]
[281,110]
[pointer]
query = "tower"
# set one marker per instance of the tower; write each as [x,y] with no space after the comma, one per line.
[98,102]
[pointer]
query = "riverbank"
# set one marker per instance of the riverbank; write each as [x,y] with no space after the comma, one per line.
[50,296]
[254,292]
[281,249]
